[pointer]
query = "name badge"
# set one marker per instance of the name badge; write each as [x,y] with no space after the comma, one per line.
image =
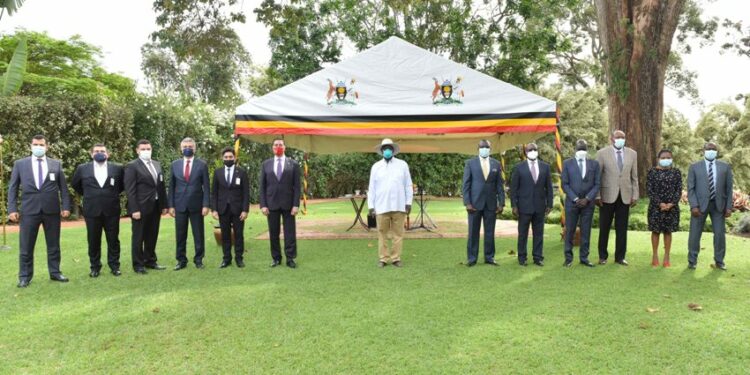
[237,181]
[112,181]
[52,177]
[161,178]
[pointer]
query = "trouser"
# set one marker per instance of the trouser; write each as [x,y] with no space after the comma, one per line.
[573,215]
[29,230]
[475,221]
[536,220]
[290,234]
[230,222]
[111,227]
[696,231]
[145,235]
[390,222]
[621,213]
[199,241]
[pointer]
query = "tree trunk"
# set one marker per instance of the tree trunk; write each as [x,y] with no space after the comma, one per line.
[636,38]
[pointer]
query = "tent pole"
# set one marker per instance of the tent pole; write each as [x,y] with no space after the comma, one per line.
[558,148]
[304,183]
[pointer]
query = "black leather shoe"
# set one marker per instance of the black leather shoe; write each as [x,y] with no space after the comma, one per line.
[691,266]
[602,262]
[180,266]
[156,266]
[471,264]
[539,263]
[717,266]
[397,264]
[568,263]
[622,262]
[523,263]
[587,263]
[290,263]
[225,264]
[23,283]
[60,277]
[116,272]
[140,271]
[240,263]
[492,263]
[200,266]
[94,273]
[275,263]
[382,264]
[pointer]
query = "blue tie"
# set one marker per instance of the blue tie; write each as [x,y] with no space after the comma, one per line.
[40,173]
[711,186]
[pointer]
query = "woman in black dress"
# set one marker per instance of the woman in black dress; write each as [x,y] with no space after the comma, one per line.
[664,187]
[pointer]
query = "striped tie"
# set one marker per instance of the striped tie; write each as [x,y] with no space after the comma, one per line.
[711,186]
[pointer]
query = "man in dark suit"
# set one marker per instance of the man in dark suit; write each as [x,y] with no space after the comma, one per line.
[188,198]
[230,201]
[531,199]
[279,198]
[484,198]
[147,201]
[580,182]
[709,194]
[100,183]
[43,190]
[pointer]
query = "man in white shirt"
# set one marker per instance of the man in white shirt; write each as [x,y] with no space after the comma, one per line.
[389,196]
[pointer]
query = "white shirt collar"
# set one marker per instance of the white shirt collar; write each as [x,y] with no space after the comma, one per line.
[102,165]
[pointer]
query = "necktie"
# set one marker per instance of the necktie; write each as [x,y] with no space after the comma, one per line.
[187,170]
[40,174]
[278,169]
[227,175]
[151,170]
[619,160]
[533,171]
[580,166]
[485,168]
[711,186]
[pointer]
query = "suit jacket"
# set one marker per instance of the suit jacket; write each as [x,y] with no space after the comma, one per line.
[189,196]
[45,200]
[483,193]
[698,194]
[615,182]
[278,194]
[527,196]
[231,198]
[576,187]
[141,189]
[98,200]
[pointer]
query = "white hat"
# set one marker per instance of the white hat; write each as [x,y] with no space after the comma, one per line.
[387,142]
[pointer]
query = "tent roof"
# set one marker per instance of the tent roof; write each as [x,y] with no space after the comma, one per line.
[395,89]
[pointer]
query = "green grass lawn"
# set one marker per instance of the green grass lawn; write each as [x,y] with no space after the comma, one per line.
[339,313]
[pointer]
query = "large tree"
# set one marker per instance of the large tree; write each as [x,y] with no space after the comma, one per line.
[636,37]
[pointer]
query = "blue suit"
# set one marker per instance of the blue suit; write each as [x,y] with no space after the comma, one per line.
[188,197]
[485,195]
[577,187]
[531,199]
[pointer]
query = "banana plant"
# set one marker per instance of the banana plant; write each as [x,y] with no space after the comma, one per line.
[12,79]
[11,5]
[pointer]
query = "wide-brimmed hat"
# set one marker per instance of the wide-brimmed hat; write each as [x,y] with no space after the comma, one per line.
[387,142]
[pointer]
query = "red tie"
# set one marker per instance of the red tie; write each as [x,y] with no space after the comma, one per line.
[187,170]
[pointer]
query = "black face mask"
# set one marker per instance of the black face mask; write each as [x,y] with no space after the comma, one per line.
[228,163]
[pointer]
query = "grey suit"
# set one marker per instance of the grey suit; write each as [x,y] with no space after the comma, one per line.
[485,195]
[39,206]
[576,187]
[700,197]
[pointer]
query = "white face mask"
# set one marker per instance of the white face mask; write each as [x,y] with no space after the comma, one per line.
[145,155]
[532,155]
[581,154]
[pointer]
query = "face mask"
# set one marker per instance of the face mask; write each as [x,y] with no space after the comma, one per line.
[100,158]
[484,152]
[189,152]
[388,153]
[145,155]
[665,163]
[710,154]
[532,155]
[619,143]
[278,151]
[581,154]
[38,151]
[228,163]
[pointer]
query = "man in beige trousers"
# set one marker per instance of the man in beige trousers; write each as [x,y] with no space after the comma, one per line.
[389,196]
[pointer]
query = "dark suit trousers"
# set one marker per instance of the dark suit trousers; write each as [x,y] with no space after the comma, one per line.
[29,229]
[199,238]
[475,221]
[229,222]
[290,234]
[111,227]
[696,231]
[145,234]
[621,213]
[573,215]
[536,220]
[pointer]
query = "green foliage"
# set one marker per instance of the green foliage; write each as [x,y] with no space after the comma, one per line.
[12,79]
